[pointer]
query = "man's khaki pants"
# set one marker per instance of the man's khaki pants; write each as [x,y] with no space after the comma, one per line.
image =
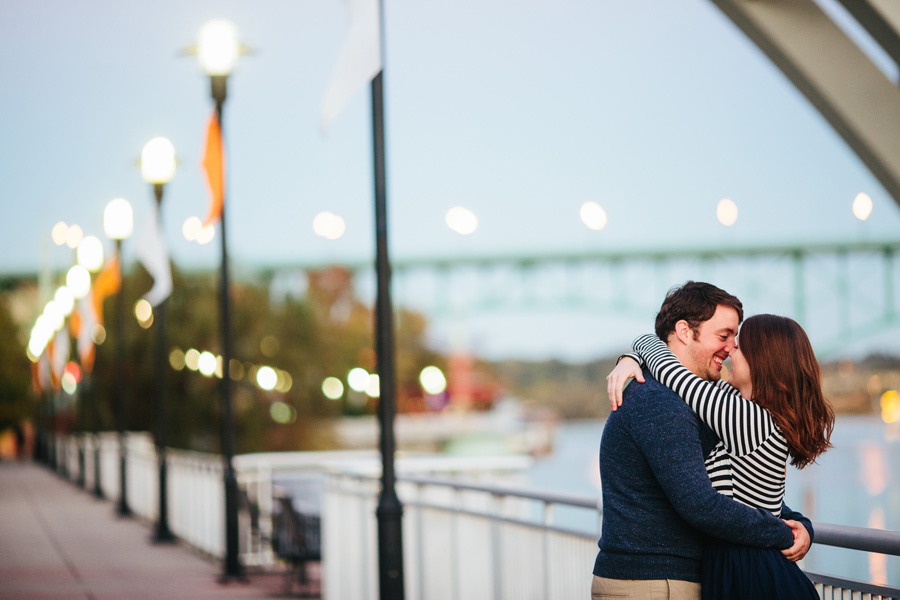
[652,589]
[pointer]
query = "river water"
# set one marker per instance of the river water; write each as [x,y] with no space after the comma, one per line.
[855,483]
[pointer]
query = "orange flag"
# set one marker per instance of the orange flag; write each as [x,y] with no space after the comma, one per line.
[75,323]
[108,282]
[36,379]
[213,162]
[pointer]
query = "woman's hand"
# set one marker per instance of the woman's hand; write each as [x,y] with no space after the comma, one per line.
[801,542]
[618,379]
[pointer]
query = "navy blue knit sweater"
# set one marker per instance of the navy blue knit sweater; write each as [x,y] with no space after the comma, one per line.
[657,499]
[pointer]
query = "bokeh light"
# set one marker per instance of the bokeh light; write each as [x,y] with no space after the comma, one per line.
[282,413]
[207,363]
[64,298]
[373,390]
[890,406]
[58,233]
[74,236]
[176,359]
[862,206]
[75,370]
[269,346]
[462,220]
[36,347]
[593,215]
[144,313]
[191,227]
[54,315]
[206,234]
[328,225]
[90,253]
[727,212]
[98,334]
[69,385]
[266,378]
[192,359]
[358,379]
[285,381]
[332,388]
[433,380]
[78,280]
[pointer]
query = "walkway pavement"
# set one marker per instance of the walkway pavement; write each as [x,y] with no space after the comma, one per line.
[59,542]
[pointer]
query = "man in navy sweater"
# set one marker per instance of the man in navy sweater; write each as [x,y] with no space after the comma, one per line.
[658,503]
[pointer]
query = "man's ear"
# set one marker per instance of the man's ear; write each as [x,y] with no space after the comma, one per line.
[683,332]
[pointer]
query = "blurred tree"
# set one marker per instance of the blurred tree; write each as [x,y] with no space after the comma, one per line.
[16,400]
[324,332]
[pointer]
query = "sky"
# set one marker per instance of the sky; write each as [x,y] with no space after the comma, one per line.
[518,110]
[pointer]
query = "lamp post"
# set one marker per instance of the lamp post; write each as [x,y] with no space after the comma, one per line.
[90,256]
[218,48]
[118,223]
[390,510]
[157,168]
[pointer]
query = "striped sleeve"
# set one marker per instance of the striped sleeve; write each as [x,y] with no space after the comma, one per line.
[742,425]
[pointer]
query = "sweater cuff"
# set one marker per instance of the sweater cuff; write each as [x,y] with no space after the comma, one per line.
[635,357]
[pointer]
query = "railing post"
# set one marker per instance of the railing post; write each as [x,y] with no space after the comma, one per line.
[548,521]
[364,530]
[497,545]
[454,544]
[420,539]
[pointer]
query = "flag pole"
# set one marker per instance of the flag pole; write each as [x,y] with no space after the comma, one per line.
[389,511]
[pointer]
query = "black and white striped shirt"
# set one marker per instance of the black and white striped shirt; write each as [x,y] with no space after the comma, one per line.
[750,462]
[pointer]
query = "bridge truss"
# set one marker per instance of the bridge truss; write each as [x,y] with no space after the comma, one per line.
[843,294]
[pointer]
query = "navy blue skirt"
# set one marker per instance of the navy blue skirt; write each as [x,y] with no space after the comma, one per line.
[732,572]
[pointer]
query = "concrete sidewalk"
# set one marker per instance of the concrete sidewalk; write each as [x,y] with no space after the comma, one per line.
[59,542]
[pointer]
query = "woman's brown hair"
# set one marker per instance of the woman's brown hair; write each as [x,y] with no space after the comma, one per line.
[787,381]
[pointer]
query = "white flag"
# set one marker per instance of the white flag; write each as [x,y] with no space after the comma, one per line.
[152,253]
[60,353]
[44,371]
[85,343]
[360,59]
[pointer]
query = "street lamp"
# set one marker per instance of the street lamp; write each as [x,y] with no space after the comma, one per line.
[118,223]
[90,256]
[218,48]
[389,512]
[157,168]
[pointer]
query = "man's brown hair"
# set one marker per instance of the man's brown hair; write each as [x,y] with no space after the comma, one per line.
[694,302]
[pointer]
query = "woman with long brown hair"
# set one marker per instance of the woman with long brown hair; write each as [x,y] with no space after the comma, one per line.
[771,411]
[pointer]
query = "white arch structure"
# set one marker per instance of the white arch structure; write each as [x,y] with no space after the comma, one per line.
[859,101]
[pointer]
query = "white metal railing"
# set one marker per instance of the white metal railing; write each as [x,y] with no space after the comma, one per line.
[195,484]
[464,538]
[473,541]
[461,540]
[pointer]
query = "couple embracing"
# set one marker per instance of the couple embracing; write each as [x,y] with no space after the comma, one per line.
[693,469]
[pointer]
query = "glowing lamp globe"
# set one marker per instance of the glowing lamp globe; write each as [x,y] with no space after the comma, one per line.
[158,161]
[218,47]
[90,253]
[118,219]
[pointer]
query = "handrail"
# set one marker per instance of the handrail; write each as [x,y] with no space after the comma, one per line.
[865,539]
[580,501]
[882,541]
[195,493]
